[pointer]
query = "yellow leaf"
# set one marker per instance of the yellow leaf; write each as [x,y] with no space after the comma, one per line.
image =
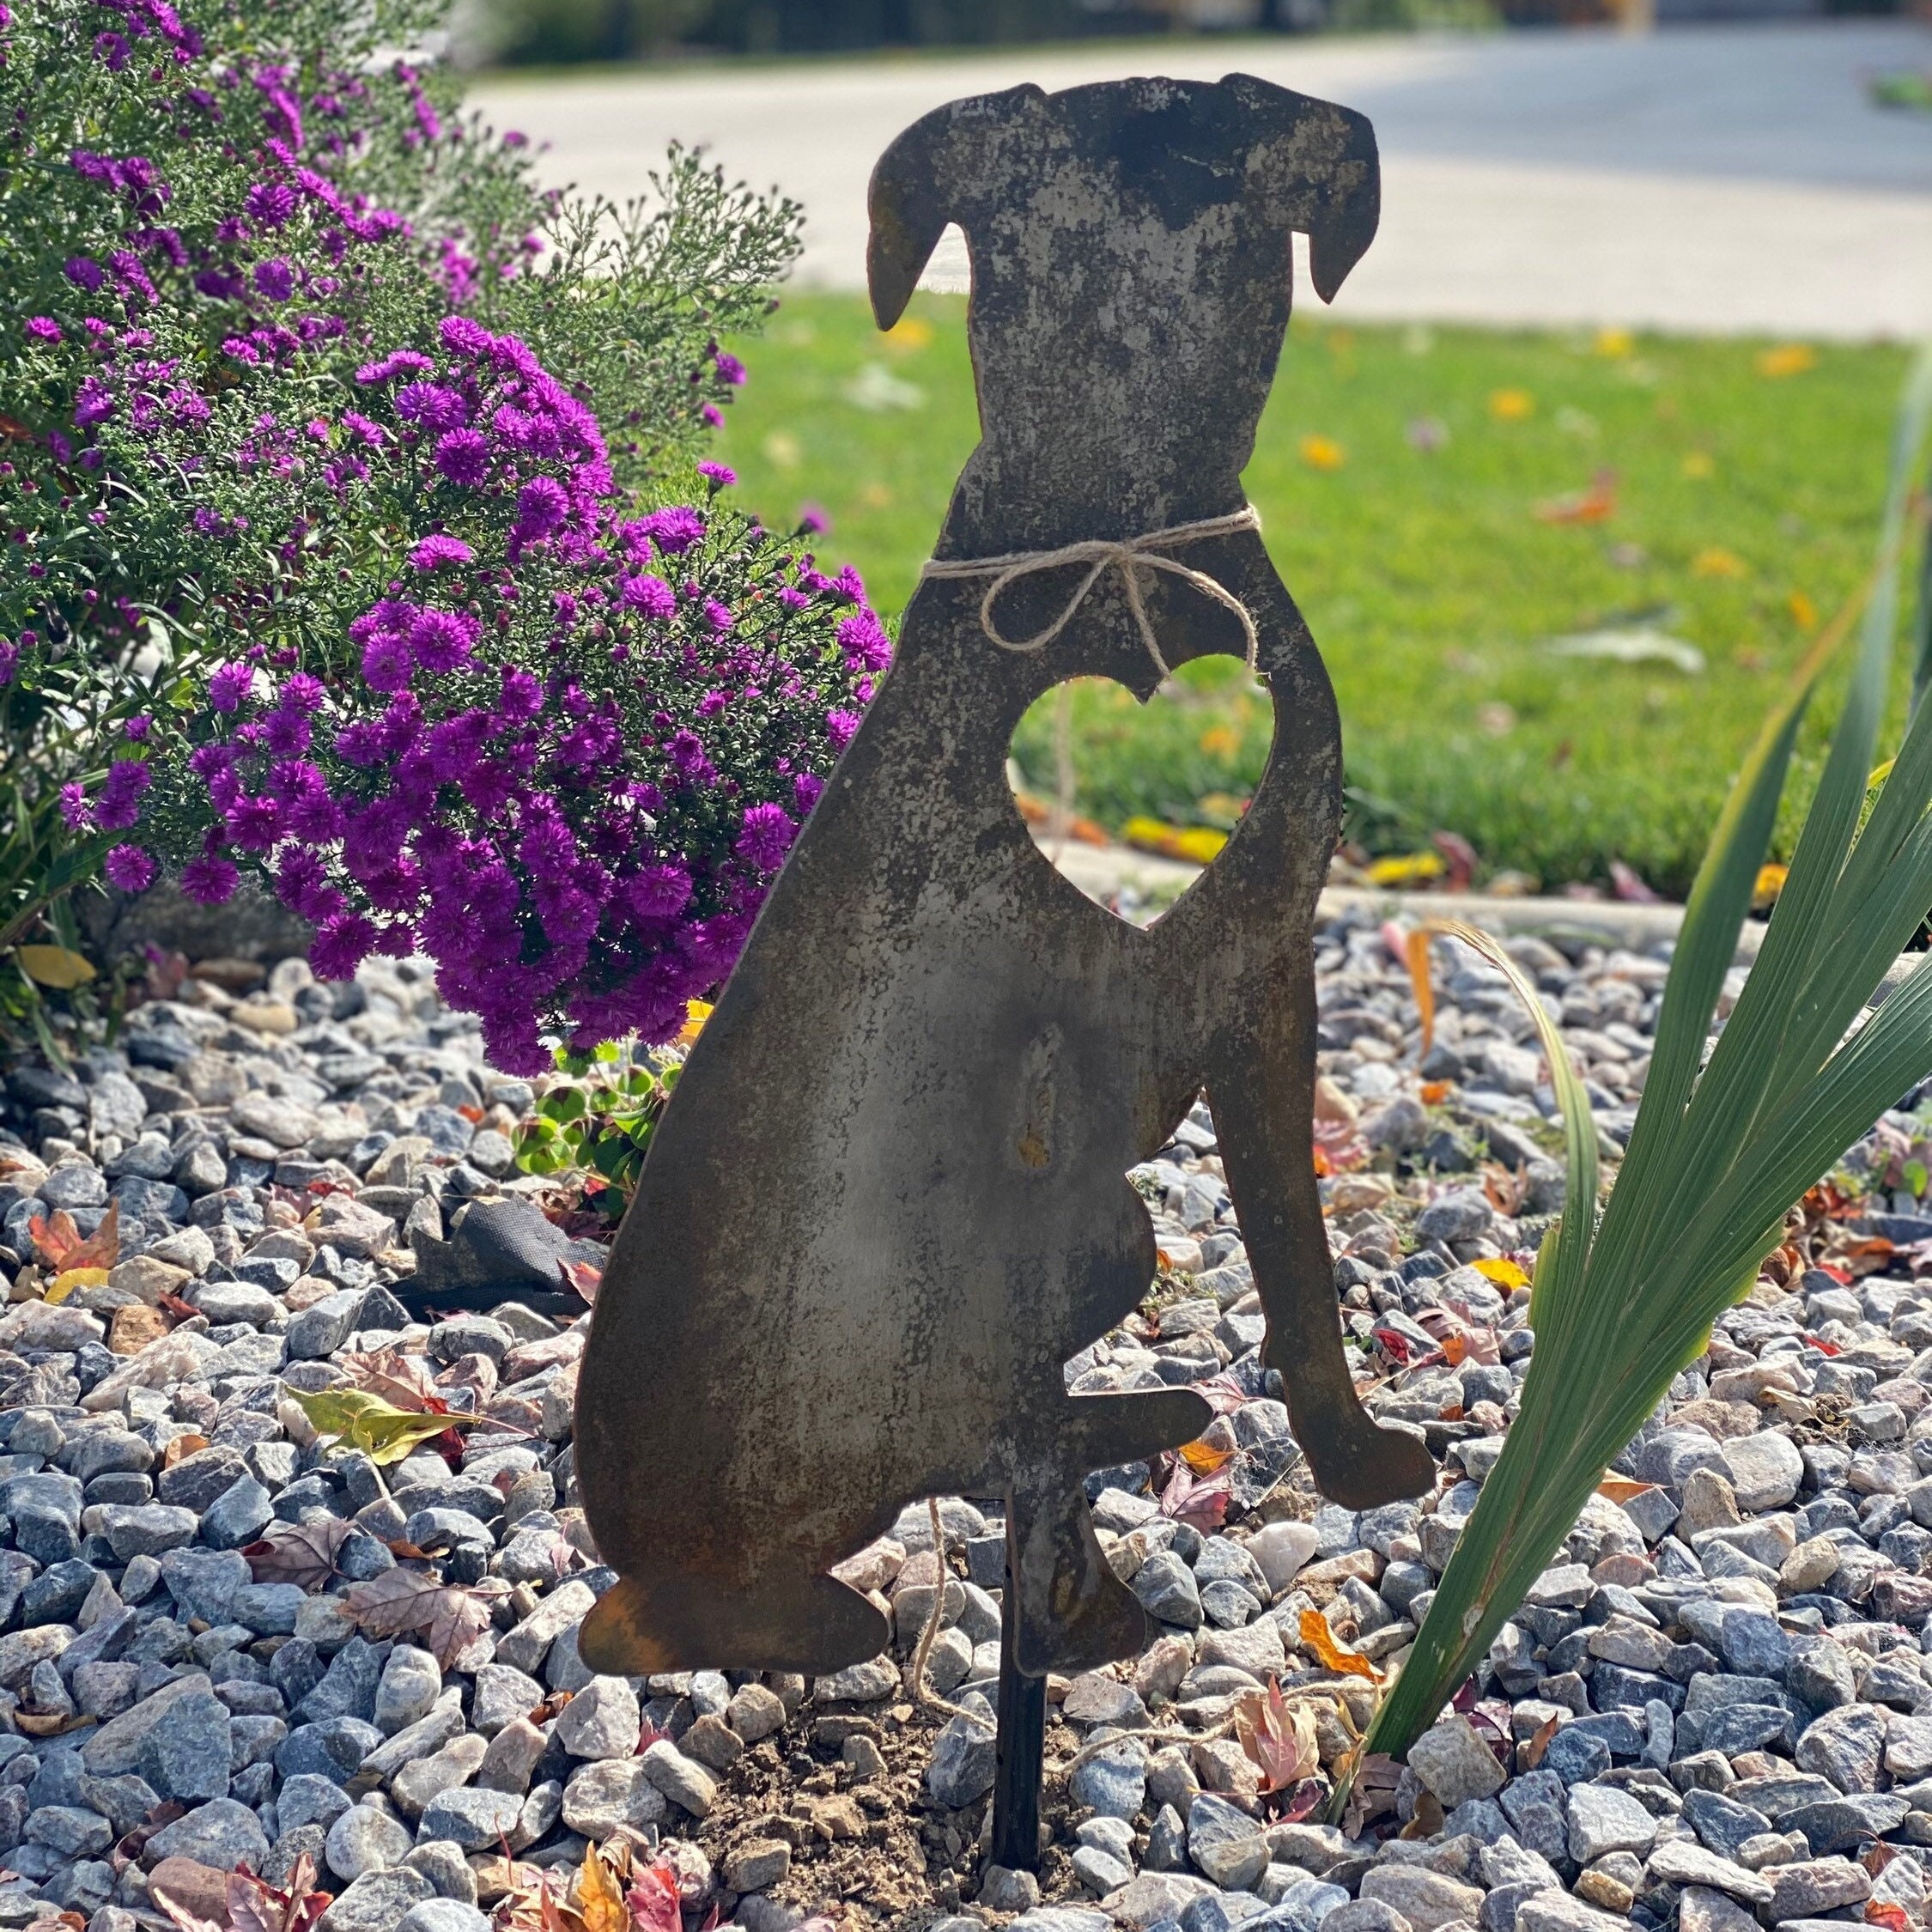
[63,1285]
[1316,1636]
[1322,453]
[696,1013]
[911,331]
[1512,405]
[382,1432]
[1804,612]
[1698,465]
[1615,342]
[1204,1458]
[1789,359]
[54,966]
[1220,741]
[1771,882]
[1717,562]
[1200,844]
[1504,1273]
[1407,869]
[599,1900]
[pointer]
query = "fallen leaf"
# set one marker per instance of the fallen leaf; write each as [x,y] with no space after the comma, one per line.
[1632,644]
[1434,1092]
[696,1013]
[600,1899]
[183,1445]
[1322,453]
[45,1723]
[1428,1818]
[1415,953]
[1597,504]
[1316,1636]
[403,1381]
[1621,1489]
[450,1617]
[1892,1917]
[68,1279]
[1537,1743]
[654,1898]
[303,1553]
[1205,1458]
[1788,359]
[54,967]
[1277,1736]
[181,1917]
[1505,1273]
[1717,562]
[255,1906]
[1200,845]
[60,1243]
[1512,405]
[1200,1501]
[1409,868]
[1371,1792]
[382,1432]
[585,1277]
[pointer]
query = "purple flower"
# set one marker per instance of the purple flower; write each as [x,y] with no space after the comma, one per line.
[84,272]
[766,837]
[303,693]
[128,780]
[541,506]
[10,660]
[441,640]
[863,640]
[807,788]
[137,728]
[93,402]
[113,49]
[729,369]
[465,337]
[431,405]
[813,520]
[395,363]
[341,944]
[434,552]
[43,328]
[660,891]
[674,531]
[275,279]
[74,810]
[285,732]
[386,663]
[719,476]
[209,880]
[463,455]
[269,203]
[839,727]
[229,685]
[651,596]
[130,869]
[523,696]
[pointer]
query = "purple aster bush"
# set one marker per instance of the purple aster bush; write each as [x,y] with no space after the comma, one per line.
[353,532]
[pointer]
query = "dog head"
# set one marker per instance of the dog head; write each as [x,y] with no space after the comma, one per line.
[1317,159]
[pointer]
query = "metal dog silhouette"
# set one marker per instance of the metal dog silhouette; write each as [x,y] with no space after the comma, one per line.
[887,1202]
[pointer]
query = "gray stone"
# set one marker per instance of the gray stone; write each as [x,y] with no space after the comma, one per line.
[307,1799]
[610,1793]
[1427,1900]
[1765,1470]
[377,1902]
[1112,1783]
[188,1752]
[145,1528]
[442,1915]
[1816,1886]
[411,1683]
[474,1819]
[1167,1590]
[1453,1761]
[1682,1862]
[961,1770]
[1602,1819]
[364,1839]
[238,1516]
[601,1721]
[686,1782]
[222,1833]
[1225,1844]
[1846,1745]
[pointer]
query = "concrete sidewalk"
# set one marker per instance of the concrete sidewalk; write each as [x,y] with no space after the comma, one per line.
[1703,178]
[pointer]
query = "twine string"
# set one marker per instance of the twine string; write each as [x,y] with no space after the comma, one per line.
[1129,556]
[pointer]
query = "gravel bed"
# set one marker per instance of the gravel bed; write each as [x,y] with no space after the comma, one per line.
[1708,1711]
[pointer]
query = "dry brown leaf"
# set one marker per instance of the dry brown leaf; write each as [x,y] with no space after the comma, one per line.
[449,1617]
[181,1446]
[403,1381]
[1415,950]
[255,1906]
[299,1552]
[1277,1737]
[1536,1744]
[1316,1636]
[60,1246]
[1620,1489]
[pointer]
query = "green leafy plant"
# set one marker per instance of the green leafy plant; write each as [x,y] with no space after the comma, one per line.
[1721,1150]
[599,1114]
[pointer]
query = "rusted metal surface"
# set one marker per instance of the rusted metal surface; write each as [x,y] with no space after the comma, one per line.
[888,1202]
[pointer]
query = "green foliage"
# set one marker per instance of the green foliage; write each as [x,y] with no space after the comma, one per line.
[1428,582]
[599,1114]
[1719,1152]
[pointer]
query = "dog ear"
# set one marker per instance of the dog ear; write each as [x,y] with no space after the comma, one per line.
[935,172]
[1320,159]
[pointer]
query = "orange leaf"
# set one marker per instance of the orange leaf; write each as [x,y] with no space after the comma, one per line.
[1434,1092]
[1204,1458]
[1316,1636]
[180,1446]
[1536,1744]
[600,1900]
[1278,1738]
[61,1246]
[1597,504]
[1620,1489]
[583,1276]
[1415,950]
[1891,1916]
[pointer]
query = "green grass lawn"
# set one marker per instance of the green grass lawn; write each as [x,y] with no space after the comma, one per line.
[1400,473]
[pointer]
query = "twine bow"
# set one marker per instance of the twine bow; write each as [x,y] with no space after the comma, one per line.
[1128,557]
